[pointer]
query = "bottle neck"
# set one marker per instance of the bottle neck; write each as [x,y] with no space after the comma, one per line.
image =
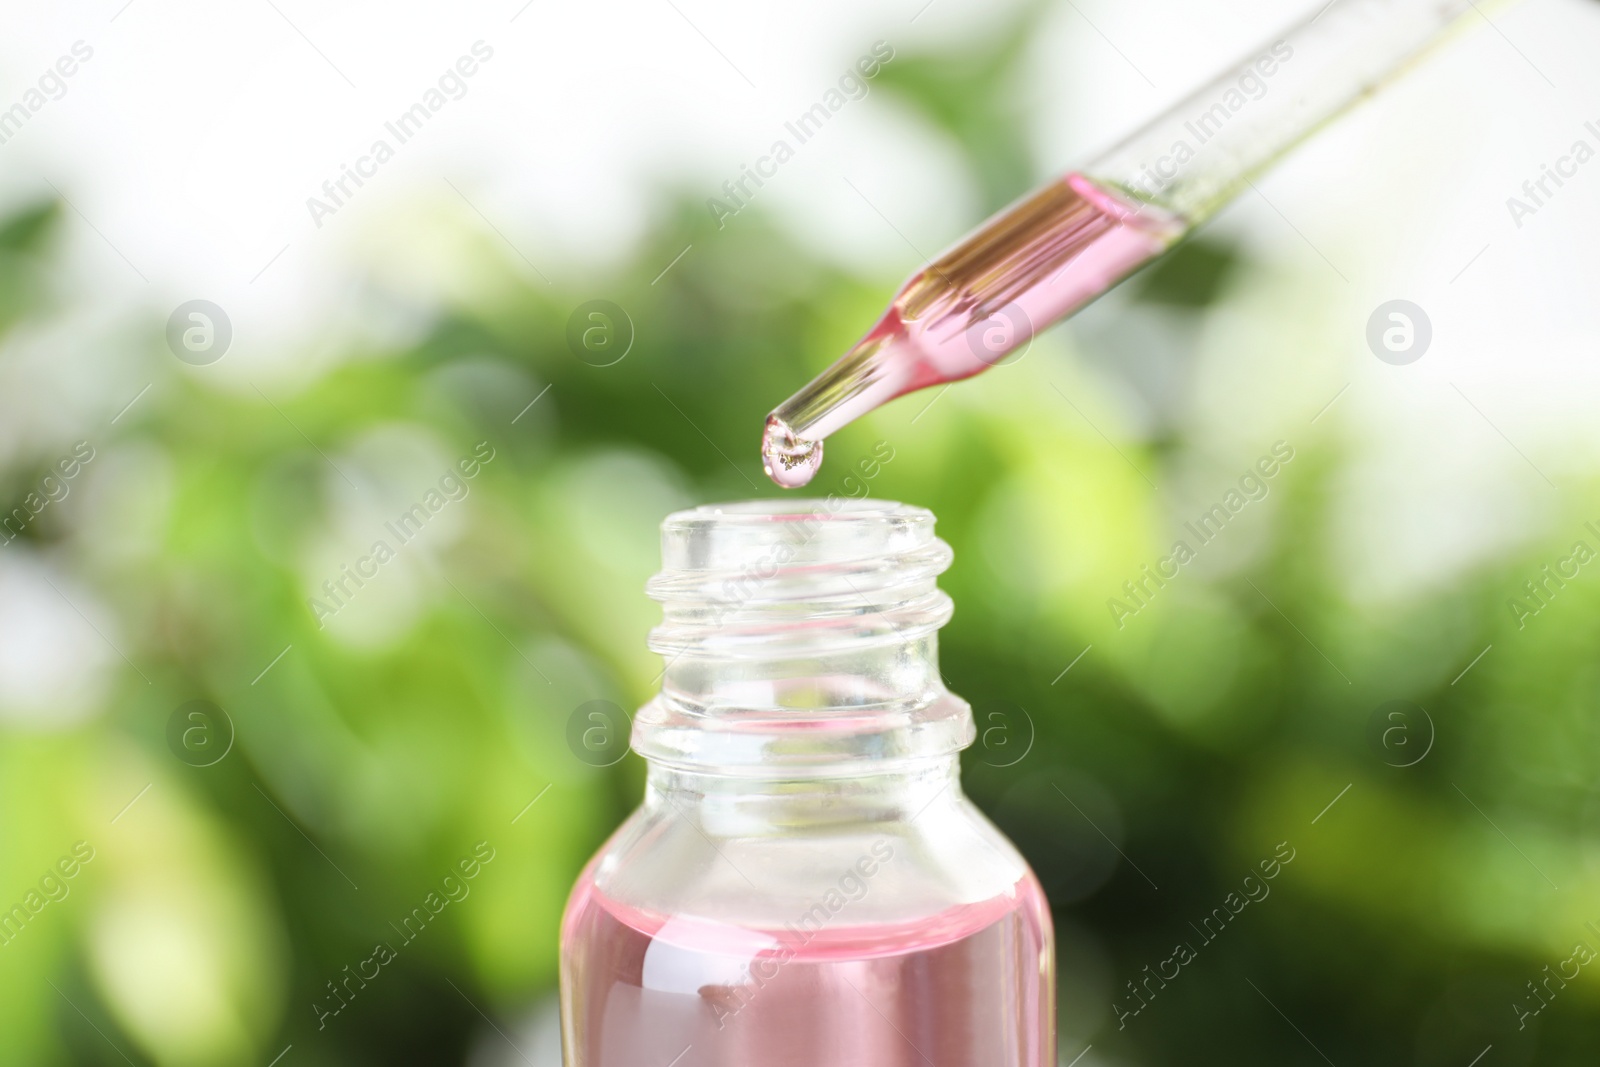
[801,644]
[744,806]
[856,713]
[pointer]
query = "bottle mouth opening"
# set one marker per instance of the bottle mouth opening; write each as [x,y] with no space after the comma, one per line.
[765,578]
[758,511]
[721,537]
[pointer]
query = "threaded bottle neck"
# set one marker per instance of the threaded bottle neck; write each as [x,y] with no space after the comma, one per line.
[800,639]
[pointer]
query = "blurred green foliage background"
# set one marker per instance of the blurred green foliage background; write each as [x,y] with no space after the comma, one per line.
[370,755]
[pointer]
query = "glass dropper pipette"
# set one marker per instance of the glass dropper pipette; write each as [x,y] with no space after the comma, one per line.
[1052,252]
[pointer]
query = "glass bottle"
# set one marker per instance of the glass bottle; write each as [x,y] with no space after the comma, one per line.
[805,885]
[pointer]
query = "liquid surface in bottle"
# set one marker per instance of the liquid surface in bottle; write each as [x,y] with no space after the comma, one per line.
[1033,264]
[964,988]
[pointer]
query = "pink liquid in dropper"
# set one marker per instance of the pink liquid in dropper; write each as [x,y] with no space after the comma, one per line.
[964,988]
[1033,264]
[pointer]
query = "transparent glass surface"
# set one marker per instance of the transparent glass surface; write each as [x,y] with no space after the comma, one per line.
[1057,249]
[1201,152]
[805,883]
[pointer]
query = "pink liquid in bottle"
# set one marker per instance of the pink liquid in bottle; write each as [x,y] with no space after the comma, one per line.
[1033,264]
[964,988]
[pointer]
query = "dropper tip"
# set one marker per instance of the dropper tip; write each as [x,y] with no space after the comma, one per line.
[790,461]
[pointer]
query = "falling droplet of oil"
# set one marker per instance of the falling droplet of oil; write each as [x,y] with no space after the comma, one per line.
[789,461]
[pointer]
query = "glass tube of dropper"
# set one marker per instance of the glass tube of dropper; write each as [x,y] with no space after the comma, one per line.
[1057,249]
